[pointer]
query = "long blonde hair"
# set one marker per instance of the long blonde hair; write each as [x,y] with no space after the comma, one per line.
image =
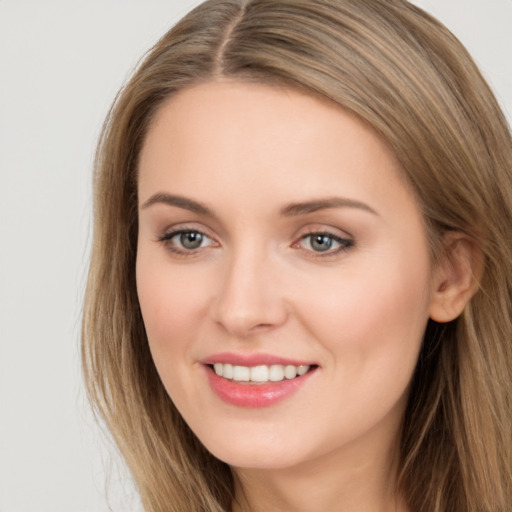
[408,77]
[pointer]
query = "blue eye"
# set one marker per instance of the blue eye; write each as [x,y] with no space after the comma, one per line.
[325,243]
[321,243]
[190,239]
[185,240]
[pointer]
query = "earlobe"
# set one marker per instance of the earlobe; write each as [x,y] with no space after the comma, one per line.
[456,277]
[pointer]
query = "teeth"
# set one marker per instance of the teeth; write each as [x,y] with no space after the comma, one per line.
[276,373]
[290,372]
[261,373]
[227,371]
[301,370]
[241,373]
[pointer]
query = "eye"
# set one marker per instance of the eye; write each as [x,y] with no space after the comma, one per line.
[185,241]
[191,239]
[327,243]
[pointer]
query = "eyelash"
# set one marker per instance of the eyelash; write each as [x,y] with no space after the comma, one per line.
[166,240]
[344,244]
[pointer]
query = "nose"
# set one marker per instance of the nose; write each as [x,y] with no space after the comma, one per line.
[251,296]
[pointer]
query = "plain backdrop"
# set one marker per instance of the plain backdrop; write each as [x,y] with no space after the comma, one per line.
[61,63]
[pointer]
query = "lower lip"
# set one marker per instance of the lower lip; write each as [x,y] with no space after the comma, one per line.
[254,395]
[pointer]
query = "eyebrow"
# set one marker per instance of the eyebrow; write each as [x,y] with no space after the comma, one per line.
[180,202]
[291,210]
[315,205]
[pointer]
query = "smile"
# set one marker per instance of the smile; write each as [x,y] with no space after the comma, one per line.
[259,374]
[256,381]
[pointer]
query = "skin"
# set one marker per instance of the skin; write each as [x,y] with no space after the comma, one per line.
[257,284]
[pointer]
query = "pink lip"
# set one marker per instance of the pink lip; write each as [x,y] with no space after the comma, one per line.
[253,395]
[252,359]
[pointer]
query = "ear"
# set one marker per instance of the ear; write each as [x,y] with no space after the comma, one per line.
[456,276]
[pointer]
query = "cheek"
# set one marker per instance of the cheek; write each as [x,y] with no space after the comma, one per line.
[372,327]
[172,305]
[372,321]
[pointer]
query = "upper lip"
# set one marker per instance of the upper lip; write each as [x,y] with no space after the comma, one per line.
[252,359]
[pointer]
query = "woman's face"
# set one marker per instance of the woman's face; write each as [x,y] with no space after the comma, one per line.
[276,237]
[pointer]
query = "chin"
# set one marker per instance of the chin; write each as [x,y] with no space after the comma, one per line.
[252,451]
[254,459]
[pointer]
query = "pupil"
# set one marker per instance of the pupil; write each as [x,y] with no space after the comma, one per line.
[191,240]
[321,242]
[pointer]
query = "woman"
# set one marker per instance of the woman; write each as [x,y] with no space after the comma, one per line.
[300,288]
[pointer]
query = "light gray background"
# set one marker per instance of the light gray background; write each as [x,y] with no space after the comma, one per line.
[61,63]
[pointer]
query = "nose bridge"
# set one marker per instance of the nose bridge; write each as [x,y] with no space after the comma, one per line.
[250,297]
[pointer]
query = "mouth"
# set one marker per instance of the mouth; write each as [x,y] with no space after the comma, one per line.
[256,381]
[260,374]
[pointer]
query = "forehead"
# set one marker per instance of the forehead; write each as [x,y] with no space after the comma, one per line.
[266,113]
[230,139]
